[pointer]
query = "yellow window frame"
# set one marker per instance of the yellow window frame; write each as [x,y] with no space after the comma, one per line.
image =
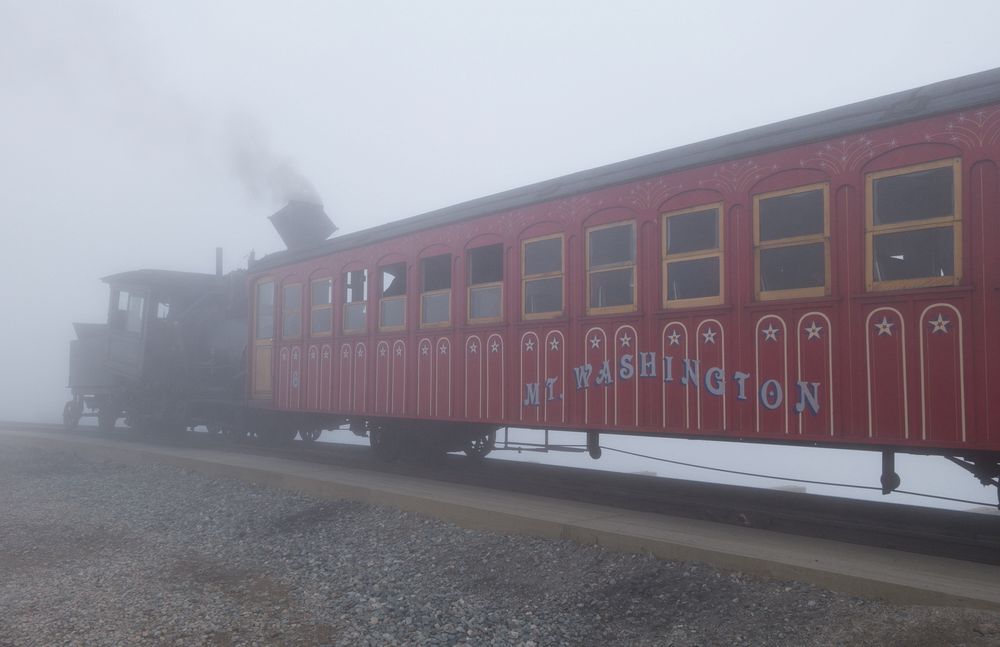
[717,252]
[954,221]
[561,275]
[632,307]
[313,308]
[792,293]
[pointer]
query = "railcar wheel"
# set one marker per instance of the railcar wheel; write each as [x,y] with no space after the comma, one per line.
[72,413]
[309,435]
[480,447]
[384,443]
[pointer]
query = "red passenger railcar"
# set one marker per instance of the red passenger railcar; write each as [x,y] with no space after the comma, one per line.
[830,280]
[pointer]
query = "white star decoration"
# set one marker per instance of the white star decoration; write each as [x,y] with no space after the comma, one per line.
[813,331]
[494,347]
[473,348]
[399,351]
[361,351]
[443,348]
[346,352]
[675,338]
[554,344]
[884,327]
[326,353]
[940,324]
[709,336]
[770,333]
[595,342]
[381,351]
[424,349]
[530,344]
[625,340]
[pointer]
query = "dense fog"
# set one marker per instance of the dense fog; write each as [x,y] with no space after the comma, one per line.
[143,135]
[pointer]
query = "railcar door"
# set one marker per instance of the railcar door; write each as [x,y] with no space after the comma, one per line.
[263,345]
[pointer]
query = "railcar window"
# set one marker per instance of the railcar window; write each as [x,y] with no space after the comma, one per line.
[485,278]
[913,226]
[265,310]
[355,300]
[692,258]
[392,304]
[435,290]
[611,269]
[162,310]
[792,243]
[542,277]
[321,307]
[291,311]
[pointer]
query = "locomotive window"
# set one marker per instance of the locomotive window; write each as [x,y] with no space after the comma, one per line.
[265,310]
[485,283]
[692,258]
[162,309]
[913,226]
[321,307]
[355,300]
[291,311]
[792,243]
[542,277]
[611,285]
[127,313]
[392,305]
[435,290]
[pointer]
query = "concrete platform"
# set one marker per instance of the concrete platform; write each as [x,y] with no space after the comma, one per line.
[859,570]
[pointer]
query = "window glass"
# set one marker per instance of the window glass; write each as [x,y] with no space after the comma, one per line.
[792,215]
[485,302]
[133,321]
[265,310]
[486,264]
[610,288]
[392,312]
[792,267]
[543,295]
[914,232]
[694,279]
[692,262]
[162,309]
[435,307]
[291,311]
[435,273]
[914,254]
[542,279]
[355,300]
[792,250]
[914,196]
[612,245]
[694,231]
[321,310]
[543,256]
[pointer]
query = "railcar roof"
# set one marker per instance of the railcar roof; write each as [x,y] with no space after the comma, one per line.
[961,93]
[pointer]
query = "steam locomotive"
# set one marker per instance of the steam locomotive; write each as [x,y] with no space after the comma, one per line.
[832,280]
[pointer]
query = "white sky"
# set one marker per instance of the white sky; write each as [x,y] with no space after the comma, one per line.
[118,120]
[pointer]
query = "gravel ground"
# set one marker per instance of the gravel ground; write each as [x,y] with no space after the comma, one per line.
[105,554]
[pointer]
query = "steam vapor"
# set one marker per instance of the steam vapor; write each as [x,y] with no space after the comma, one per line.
[265,174]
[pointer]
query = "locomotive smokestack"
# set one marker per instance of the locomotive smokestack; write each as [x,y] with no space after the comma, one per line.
[218,261]
[302,224]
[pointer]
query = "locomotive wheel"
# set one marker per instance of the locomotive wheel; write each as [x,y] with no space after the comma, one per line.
[71,414]
[384,443]
[309,435]
[480,447]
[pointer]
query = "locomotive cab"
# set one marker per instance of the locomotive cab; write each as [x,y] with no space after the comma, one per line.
[172,347]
